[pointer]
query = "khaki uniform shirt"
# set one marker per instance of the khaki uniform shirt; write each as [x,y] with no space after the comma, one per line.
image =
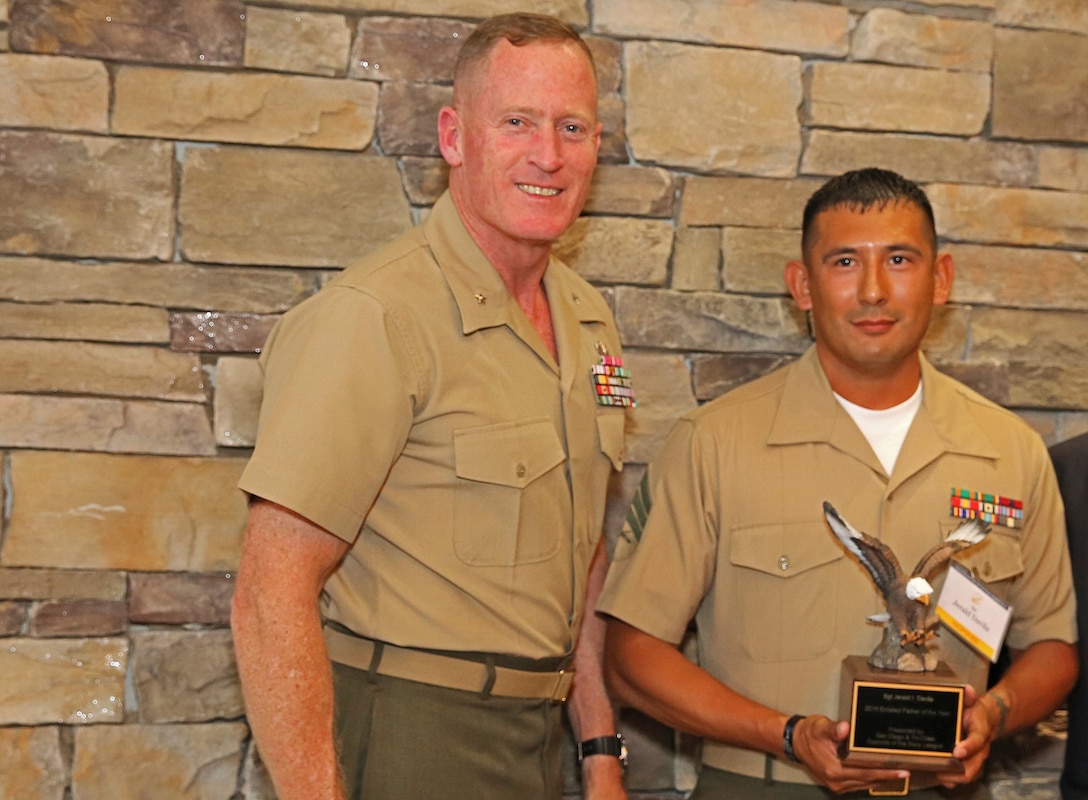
[736,537]
[411,409]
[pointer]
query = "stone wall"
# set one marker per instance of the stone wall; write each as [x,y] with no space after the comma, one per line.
[173,176]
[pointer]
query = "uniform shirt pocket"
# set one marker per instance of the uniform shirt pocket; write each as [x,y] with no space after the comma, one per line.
[787,586]
[509,506]
[997,560]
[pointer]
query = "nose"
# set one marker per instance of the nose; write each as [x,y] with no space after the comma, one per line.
[546,150]
[873,285]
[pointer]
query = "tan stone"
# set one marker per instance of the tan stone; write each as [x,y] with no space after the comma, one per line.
[753,259]
[572,12]
[179,599]
[1065,15]
[618,249]
[61,584]
[714,375]
[259,108]
[879,97]
[1063,168]
[64,183]
[34,768]
[125,512]
[408,118]
[67,681]
[407,49]
[104,425]
[981,4]
[745,120]
[747,202]
[181,762]
[634,191]
[1039,80]
[91,321]
[54,92]
[238,391]
[696,258]
[662,387]
[213,332]
[424,179]
[32,280]
[799,27]
[1019,276]
[161,31]
[708,321]
[185,676]
[99,369]
[1018,335]
[295,41]
[308,209]
[922,158]
[921,40]
[1012,216]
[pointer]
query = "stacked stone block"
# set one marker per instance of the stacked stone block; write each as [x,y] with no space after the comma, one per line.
[174,176]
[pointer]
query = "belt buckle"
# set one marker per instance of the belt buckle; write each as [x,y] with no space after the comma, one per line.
[564,679]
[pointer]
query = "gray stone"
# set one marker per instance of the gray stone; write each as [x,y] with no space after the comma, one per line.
[12,618]
[634,191]
[696,260]
[66,183]
[714,375]
[262,291]
[745,202]
[238,392]
[1020,276]
[407,49]
[753,259]
[708,321]
[78,618]
[307,209]
[185,676]
[663,389]
[408,117]
[618,249]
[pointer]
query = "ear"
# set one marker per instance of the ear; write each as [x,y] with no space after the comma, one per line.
[449,136]
[944,270]
[796,276]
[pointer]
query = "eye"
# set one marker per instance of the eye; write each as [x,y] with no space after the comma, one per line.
[514,122]
[844,261]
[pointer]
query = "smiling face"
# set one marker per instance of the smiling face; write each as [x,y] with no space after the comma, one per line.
[522,141]
[871,279]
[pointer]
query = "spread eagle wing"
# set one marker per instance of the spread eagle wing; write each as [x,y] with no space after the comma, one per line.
[873,554]
[969,533]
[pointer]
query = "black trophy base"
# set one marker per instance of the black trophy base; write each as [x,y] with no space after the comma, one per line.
[901,720]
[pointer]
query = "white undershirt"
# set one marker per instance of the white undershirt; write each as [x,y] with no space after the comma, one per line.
[886,428]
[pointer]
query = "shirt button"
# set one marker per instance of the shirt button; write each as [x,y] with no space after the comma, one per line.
[783,563]
[521,470]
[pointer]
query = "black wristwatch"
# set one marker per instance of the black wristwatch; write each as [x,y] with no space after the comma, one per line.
[604,746]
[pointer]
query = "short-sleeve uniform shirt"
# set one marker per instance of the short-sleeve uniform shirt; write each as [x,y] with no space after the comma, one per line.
[411,409]
[728,529]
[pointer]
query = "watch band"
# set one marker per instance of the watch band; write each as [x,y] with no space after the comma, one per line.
[787,736]
[604,746]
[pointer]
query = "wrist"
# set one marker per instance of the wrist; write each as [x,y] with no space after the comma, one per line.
[788,737]
[601,748]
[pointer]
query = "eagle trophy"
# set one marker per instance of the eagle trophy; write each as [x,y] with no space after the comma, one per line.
[908,624]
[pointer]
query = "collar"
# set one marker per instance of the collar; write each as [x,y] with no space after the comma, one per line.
[808,413]
[482,298]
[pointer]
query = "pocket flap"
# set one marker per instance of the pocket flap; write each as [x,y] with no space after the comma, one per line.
[784,550]
[509,453]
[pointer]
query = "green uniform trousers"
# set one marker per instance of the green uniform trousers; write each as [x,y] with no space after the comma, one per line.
[403,740]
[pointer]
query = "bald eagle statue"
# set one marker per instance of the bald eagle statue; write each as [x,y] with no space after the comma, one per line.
[908,623]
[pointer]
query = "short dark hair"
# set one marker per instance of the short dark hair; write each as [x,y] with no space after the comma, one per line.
[520,29]
[860,190]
